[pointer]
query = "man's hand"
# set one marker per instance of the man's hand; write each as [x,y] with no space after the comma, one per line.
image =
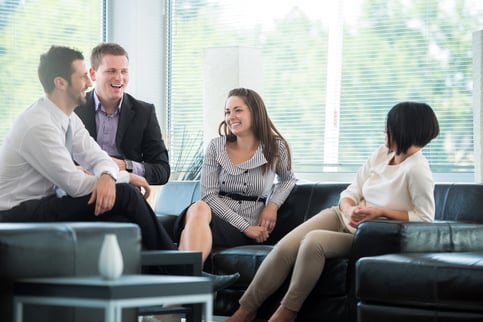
[104,194]
[120,163]
[260,234]
[140,183]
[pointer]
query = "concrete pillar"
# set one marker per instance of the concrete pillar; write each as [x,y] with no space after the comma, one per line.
[127,21]
[478,102]
[225,68]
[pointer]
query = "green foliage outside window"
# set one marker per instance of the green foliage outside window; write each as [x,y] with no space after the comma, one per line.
[27,29]
[391,51]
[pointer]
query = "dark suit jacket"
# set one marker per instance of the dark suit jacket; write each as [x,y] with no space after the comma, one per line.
[138,136]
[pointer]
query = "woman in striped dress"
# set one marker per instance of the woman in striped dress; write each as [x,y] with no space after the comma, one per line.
[239,200]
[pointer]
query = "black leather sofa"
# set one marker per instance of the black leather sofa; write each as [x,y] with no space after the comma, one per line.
[60,249]
[435,273]
[334,297]
[72,249]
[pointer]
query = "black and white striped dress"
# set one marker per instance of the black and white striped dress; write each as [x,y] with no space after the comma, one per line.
[247,178]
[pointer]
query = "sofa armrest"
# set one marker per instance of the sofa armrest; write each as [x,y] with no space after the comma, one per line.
[387,236]
[190,260]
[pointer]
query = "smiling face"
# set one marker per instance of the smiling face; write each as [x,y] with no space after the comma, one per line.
[111,77]
[238,116]
[79,83]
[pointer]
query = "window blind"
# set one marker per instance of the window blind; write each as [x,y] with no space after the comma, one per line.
[332,70]
[27,30]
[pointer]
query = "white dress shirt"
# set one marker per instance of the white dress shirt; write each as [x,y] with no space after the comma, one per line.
[34,158]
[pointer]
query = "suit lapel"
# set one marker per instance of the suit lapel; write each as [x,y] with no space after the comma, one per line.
[125,117]
[89,116]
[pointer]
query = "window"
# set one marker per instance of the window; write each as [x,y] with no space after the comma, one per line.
[27,29]
[332,70]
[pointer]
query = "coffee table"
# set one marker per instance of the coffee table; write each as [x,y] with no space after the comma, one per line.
[113,295]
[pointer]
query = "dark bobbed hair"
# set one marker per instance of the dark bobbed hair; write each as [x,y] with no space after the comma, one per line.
[262,127]
[57,62]
[411,123]
[106,48]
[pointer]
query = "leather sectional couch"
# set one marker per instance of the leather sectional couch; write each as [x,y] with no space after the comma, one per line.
[55,250]
[72,249]
[396,271]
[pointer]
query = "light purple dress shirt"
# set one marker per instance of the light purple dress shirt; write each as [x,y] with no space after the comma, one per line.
[106,126]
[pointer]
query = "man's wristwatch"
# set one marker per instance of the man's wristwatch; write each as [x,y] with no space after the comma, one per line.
[128,165]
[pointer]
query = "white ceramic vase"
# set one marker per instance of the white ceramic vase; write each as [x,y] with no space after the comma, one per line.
[110,258]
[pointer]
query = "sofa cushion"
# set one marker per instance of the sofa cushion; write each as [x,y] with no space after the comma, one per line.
[429,280]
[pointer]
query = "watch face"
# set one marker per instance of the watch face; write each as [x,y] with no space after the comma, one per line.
[128,165]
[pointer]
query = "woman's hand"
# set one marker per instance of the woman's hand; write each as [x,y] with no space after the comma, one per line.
[258,233]
[268,217]
[354,215]
[360,214]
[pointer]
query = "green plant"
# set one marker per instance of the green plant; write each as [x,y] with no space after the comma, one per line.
[189,158]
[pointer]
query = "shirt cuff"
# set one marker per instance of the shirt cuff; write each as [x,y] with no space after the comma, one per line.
[138,168]
[123,177]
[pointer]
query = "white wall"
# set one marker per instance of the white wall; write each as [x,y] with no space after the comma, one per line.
[225,68]
[138,26]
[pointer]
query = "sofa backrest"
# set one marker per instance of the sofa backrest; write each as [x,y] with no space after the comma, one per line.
[454,202]
[175,196]
[305,200]
[459,202]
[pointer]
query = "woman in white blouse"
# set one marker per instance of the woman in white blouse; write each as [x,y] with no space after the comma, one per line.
[239,199]
[395,183]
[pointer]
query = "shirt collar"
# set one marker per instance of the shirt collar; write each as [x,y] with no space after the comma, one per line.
[58,115]
[99,106]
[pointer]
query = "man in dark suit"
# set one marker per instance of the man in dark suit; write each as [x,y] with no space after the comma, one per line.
[126,128]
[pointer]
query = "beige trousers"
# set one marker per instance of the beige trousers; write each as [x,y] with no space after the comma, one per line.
[304,249]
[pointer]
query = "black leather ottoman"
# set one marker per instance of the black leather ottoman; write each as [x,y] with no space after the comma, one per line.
[419,287]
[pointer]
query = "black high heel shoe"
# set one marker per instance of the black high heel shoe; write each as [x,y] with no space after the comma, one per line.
[221,281]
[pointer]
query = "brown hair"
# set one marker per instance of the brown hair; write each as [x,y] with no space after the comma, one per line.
[57,62]
[262,127]
[106,48]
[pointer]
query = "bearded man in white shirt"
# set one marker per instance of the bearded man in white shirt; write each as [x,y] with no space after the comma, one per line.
[39,181]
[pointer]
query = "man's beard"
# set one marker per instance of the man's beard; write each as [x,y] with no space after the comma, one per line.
[78,99]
